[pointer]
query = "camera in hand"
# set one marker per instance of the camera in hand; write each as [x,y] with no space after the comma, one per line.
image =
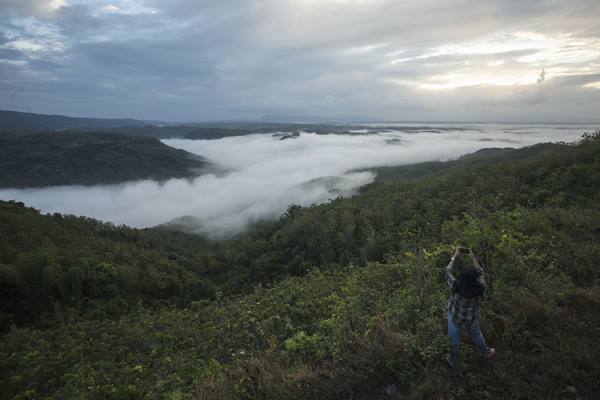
[463,250]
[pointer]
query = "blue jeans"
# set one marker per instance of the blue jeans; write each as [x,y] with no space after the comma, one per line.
[474,332]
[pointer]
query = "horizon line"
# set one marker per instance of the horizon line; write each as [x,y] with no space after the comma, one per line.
[322,120]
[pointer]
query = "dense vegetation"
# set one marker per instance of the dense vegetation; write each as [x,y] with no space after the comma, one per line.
[87,159]
[330,301]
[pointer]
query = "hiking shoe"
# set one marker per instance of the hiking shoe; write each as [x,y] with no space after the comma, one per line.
[491,353]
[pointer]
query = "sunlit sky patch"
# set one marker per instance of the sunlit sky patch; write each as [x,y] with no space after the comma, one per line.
[594,85]
[336,59]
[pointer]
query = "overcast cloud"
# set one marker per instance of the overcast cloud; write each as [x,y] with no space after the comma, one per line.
[337,59]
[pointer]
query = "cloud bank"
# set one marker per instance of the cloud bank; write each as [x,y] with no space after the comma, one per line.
[267,174]
[463,60]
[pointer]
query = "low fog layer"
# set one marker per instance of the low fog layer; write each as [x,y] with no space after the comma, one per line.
[267,174]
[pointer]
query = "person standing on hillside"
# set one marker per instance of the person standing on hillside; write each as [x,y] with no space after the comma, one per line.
[463,305]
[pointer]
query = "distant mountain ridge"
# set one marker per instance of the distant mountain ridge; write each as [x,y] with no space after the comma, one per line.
[15,123]
[25,120]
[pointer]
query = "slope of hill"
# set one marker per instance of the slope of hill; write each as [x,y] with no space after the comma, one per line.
[89,159]
[331,302]
[479,158]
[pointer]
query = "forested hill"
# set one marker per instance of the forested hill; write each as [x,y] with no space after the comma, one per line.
[328,302]
[89,159]
[480,158]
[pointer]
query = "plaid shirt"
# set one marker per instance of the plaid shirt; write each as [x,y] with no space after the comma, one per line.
[462,310]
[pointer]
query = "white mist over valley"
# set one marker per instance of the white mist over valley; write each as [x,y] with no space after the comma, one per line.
[261,175]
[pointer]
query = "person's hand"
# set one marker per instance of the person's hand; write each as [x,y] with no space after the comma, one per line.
[456,253]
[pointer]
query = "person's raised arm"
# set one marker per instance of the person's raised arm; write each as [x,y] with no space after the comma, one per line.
[475,260]
[481,278]
[449,276]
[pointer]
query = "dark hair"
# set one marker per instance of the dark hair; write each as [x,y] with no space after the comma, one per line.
[467,284]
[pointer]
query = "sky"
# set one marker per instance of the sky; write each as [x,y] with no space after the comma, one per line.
[338,60]
[262,175]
